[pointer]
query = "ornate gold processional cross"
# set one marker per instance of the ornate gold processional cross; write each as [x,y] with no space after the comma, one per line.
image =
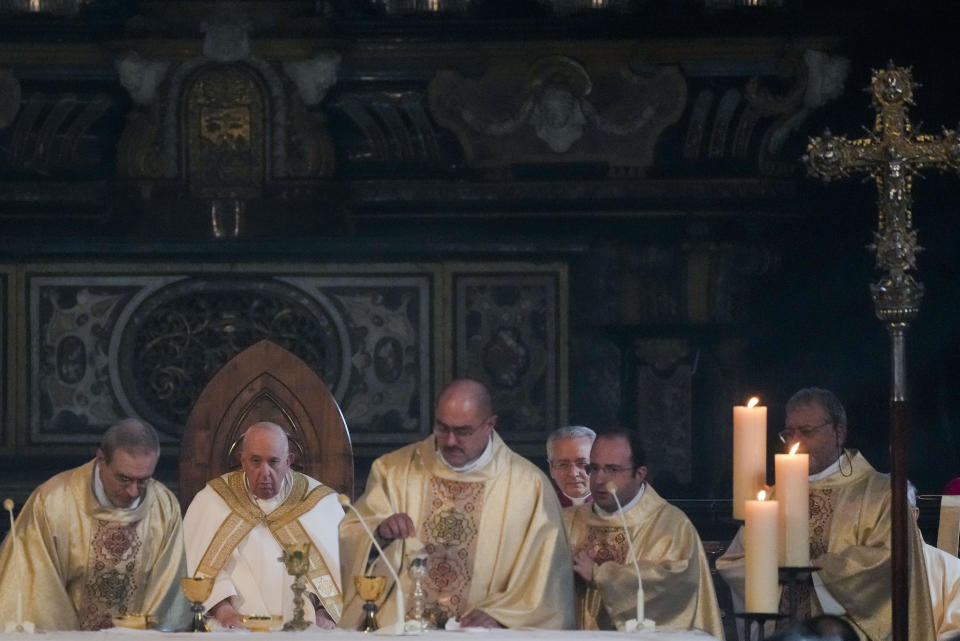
[892,155]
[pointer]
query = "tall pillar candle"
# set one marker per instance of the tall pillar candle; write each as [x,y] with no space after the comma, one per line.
[793,495]
[760,550]
[749,453]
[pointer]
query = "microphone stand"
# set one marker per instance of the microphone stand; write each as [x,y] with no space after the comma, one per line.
[401,611]
[640,623]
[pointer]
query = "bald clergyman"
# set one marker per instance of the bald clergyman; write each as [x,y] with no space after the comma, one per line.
[98,541]
[237,527]
[488,520]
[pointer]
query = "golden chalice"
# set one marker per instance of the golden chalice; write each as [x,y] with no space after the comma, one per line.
[297,560]
[197,589]
[369,588]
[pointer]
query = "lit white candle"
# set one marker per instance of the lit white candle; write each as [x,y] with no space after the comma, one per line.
[760,550]
[793,495]
[749,453]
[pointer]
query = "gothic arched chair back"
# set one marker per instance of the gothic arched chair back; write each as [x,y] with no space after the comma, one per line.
[265,383]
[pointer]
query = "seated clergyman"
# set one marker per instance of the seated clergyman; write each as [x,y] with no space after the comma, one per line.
[568,453]
[675,577]
[850,531]
[98,541]
[237,527]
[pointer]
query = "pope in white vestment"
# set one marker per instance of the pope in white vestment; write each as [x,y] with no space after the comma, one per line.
[237,526]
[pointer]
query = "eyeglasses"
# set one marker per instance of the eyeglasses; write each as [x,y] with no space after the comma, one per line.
[803,431]
[566,466]
[127,481]
[459,433]
[609,469]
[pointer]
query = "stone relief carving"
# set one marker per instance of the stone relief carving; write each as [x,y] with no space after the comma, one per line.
[507,335]
[285,140]
[141,77]
[313,77]
[145,344]
[555,110]
[817,78]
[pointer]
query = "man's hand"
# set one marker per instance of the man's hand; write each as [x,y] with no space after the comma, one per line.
[478,619]
[398,526]
[583,565]
[227,615]
[324,620]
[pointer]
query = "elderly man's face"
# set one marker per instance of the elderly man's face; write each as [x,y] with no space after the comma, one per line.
[266,459]
[461,430]
[126,476]
[568,466]
[818,437]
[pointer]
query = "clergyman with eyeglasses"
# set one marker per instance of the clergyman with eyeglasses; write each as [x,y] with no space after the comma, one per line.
[849,529]
[677,588]
[98,541]
[568,454]
[487,518]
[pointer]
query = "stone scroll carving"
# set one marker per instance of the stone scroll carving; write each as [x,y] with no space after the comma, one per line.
[558,110]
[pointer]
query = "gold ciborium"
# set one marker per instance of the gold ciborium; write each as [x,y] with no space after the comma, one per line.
[369,588]
[197,589]
[297,559]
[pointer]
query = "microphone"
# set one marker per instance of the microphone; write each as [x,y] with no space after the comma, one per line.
[640,622]
[401,611]
[19,625]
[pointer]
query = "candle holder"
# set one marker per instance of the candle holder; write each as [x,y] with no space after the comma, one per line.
[792,577]
[758,618]
[197,589]
[296,558]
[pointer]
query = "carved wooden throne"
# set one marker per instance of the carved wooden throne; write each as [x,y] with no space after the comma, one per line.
[265,383]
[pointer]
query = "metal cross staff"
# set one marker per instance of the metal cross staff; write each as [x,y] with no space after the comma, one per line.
[892,155]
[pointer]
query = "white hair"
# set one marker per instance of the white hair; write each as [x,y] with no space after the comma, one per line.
[568,432]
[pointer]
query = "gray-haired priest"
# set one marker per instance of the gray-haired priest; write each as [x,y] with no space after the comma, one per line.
[237,527]
[677,588]
[98,541]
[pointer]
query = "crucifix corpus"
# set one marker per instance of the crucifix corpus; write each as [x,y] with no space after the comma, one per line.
[892,154]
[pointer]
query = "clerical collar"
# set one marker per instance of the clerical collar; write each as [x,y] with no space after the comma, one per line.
[827,471]
[269,505]
[603,514]
[101,494]
[574,500]
[473,465]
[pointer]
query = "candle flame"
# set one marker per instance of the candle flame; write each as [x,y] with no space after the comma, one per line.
[611,487]
[753,402]
[796,446]
[762,495]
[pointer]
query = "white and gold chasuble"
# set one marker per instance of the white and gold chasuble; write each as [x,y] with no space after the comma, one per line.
[677,587]
[493,535]
[850,543]
[228,536]
[83,564]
